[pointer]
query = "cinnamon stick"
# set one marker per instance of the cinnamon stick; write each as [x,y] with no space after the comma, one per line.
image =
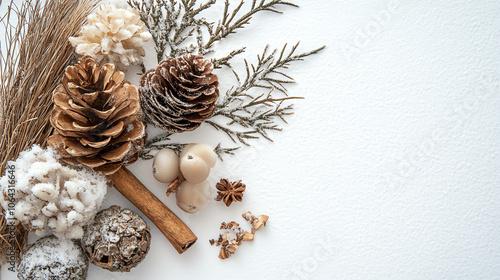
[174,229]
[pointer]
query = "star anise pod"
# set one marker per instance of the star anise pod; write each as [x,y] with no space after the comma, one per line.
[229,192]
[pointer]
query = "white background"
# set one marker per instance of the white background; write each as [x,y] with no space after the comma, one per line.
[389,168]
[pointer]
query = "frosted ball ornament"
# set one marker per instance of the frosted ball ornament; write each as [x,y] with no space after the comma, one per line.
[53,258]
[117,239]
[193,197]
[166,165]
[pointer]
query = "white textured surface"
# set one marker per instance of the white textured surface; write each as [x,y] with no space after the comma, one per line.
[388,170]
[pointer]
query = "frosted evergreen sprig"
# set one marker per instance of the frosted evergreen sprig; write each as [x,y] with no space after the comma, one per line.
[177,29]
[230,21]
[173,23]
[258,114]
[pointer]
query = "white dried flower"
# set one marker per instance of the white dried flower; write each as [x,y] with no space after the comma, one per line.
[113,34]
[47,195]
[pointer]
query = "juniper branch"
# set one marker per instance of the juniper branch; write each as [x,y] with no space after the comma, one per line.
[219,62]
[220,151]
[257,115]
[173,23]
[230,23]
[248,117]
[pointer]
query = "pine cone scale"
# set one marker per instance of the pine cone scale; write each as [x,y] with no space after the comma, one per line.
[126,109]
[70,147]
[92,162]
[63,101]
[113,131]
[118,152]
[109,168]
[133,132]
[84,128]
[95,144]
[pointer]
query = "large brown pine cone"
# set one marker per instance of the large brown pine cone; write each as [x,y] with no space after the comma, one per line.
[95,118]
[180,93]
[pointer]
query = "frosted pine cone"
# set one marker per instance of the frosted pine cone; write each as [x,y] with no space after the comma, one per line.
[95,118]
[113,34]
[180,93]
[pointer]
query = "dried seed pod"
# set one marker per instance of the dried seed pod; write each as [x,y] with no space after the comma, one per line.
[256,221]
[229,192]
[53,258]
[117,240]
[247,236]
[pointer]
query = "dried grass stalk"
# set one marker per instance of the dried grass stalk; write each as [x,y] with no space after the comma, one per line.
[19,240]
[34,56]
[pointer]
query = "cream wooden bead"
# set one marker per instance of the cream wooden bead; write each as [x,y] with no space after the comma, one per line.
[192,197]
[186,149]
[166,165]
[193,168]
[204,151]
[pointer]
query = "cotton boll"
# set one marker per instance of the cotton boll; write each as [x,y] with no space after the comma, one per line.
[93,196]
[74,232]
[73,217]
[73,204]
[25,208]
[50,209]
[23,184]
[58,197]
[61,226]
[52,222]
[39,223]
[44,191]
[41,169]
[72,189]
